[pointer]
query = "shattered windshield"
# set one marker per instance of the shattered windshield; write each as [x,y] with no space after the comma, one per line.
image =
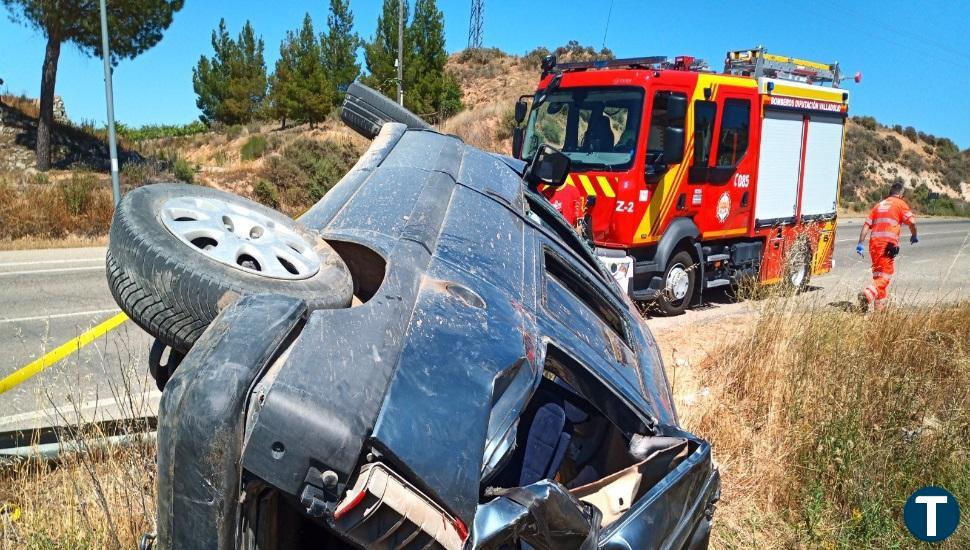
[597,128]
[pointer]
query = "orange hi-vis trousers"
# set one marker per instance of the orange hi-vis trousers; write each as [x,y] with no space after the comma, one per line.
[882,271]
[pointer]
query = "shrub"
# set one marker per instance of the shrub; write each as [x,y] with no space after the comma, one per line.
[910,133]
[183,170]
[77,192]
[913,161]
[889,148]
[234,131]
[138,172]
[867,122]
[267,193]
[254,148]
[154,131]
[506,124]
[898,128]
[307,169]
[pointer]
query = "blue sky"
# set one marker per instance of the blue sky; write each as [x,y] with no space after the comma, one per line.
[915,56]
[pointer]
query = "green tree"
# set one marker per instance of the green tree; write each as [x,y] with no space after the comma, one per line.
[231,87]
[300,87]
[313,87]
[339,48]
[283,97]
[135,26]
[381,52]
[432,92]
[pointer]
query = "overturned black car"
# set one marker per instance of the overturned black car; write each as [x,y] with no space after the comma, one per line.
[431,358]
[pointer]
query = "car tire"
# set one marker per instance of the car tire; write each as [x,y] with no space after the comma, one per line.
[679,282]
[366,110]
[172,278]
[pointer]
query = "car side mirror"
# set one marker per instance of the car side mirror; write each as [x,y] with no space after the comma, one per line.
[520,111]
[518,136]
[549,166]
[673,145]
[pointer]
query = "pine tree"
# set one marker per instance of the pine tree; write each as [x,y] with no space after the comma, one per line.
[136,25]
[311,84]
[232,85]
[283,98]
[381,51]
[433,93]
[339,48]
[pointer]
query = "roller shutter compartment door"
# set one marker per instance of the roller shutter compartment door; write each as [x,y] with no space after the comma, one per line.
[823,154]
[778,166]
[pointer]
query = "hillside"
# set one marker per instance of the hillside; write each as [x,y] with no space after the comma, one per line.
[291,168]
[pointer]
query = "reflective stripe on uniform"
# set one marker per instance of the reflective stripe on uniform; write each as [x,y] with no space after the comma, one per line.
[890,221]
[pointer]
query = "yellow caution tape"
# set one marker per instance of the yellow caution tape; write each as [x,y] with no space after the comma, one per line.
[12,511]
[26,372]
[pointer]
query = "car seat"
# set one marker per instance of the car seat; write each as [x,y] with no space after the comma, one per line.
[599,136]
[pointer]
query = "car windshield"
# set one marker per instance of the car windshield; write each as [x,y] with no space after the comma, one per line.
[597,128]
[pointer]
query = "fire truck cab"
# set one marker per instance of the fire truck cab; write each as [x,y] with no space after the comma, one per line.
[698,179]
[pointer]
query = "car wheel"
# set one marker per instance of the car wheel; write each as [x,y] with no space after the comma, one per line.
[679,280]
[179,253]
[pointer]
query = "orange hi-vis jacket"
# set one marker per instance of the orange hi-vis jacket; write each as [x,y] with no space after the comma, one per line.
[886,218]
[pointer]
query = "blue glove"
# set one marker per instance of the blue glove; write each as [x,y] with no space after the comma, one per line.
[860,250]
[913,239]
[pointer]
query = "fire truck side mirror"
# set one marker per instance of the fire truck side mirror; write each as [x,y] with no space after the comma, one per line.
[518,136]
[673,145]
[549,166]
[676,107]
[520,111]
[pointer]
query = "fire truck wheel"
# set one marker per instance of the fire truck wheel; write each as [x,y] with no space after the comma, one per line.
[679,281]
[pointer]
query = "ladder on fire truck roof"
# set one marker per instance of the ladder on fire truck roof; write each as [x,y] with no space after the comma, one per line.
[757,62]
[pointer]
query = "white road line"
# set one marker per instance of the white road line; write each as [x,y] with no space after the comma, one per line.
[43,262]
[44,271]
[60,315]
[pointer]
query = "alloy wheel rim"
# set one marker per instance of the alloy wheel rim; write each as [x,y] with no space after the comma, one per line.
[240,237]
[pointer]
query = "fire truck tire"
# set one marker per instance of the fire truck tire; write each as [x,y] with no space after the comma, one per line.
[178,254]
[680,279]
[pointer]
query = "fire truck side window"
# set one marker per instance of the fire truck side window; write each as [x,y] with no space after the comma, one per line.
[658,122]
[704,114]
[735,126]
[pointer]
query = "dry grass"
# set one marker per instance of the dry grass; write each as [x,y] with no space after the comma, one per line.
[824,422]
[80,206]
[97,495]
[481,127]
[28,106]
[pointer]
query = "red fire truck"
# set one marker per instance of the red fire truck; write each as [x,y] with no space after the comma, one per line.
[698,179]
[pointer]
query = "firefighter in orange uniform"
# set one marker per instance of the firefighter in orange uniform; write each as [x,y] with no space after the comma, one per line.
[568,200]
[882,228]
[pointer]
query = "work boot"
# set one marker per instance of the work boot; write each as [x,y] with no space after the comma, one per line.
[863,303]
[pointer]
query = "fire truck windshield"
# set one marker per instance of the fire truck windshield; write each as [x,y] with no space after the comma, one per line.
[597,128]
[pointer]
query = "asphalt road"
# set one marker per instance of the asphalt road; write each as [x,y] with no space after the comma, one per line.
[48,297]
